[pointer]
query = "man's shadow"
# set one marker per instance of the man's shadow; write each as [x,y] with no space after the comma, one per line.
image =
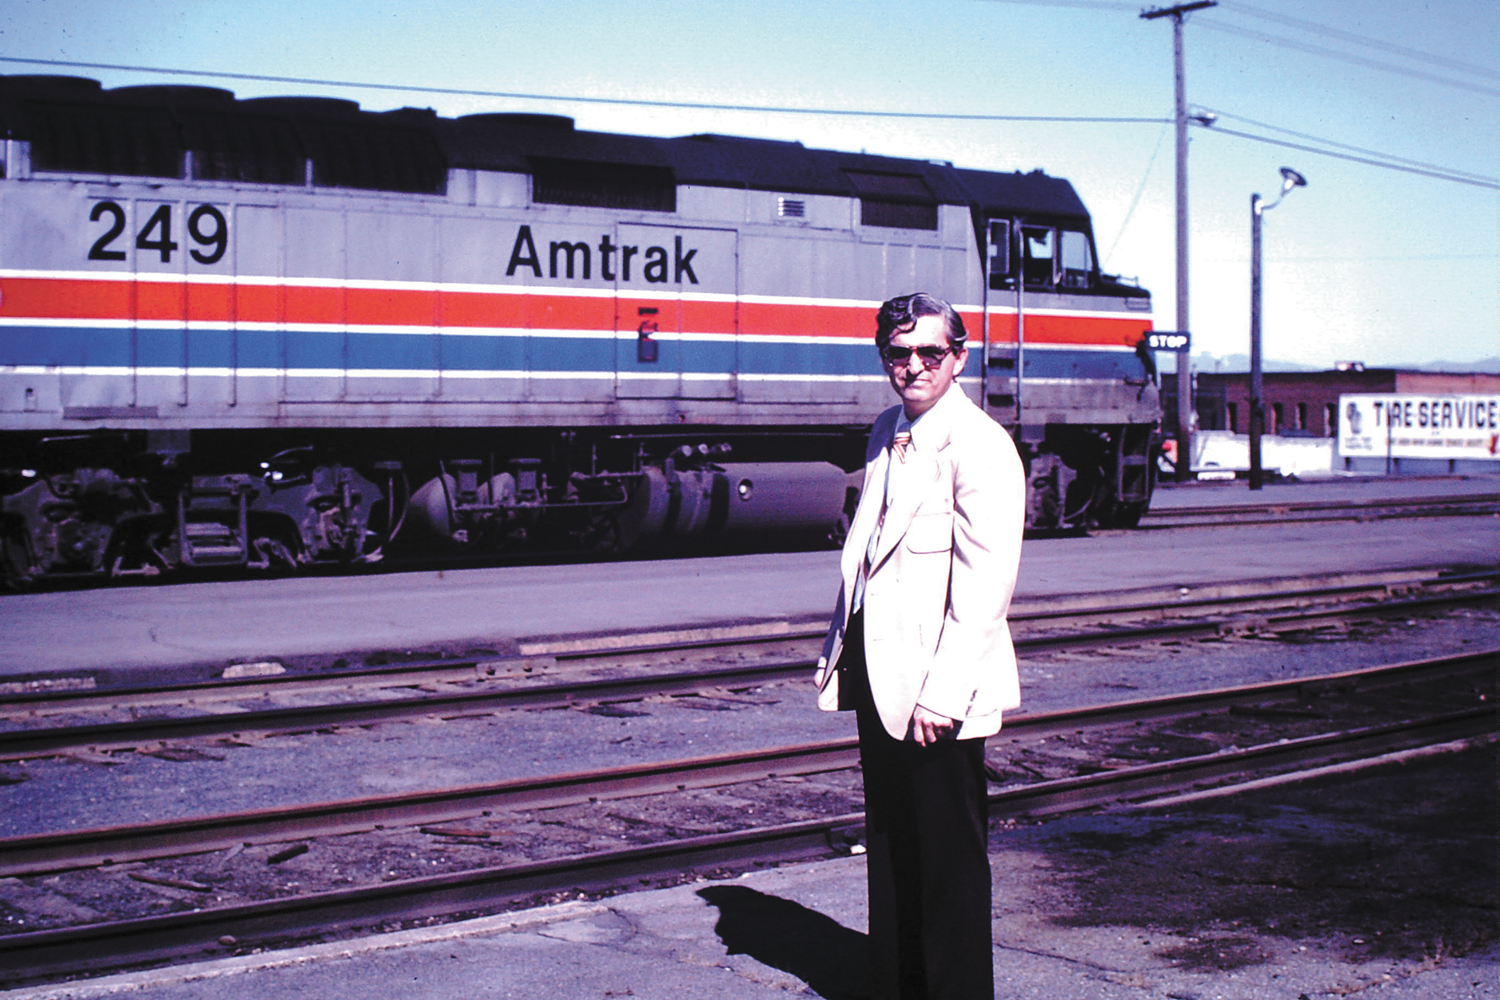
[818,950]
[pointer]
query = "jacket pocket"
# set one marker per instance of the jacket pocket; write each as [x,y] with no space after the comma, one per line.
[930,533]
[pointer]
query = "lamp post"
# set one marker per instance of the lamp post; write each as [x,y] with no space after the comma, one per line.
[1289,179]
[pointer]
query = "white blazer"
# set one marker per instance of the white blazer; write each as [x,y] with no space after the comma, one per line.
[942,576]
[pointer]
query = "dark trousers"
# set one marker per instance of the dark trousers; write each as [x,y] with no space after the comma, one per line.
[927,834]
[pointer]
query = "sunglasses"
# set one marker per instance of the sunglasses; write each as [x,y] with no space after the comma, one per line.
[930,355]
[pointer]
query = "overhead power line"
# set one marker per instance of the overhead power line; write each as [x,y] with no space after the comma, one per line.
[1374,43]
[1131,8]
[1375,159]
[564,98]
[1314,28]
[1347,57]
[1447,171]
[1125,222]
[1440,173]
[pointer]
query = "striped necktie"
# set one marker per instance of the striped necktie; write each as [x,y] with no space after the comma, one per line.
[900,443]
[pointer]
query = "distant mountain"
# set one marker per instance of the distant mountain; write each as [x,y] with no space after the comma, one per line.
[1490,366]
[1231,363]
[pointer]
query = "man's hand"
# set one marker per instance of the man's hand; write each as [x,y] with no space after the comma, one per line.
[928,727]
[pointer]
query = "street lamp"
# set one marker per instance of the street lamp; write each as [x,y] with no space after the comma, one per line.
[1289,179]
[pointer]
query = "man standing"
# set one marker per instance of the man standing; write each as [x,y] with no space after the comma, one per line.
[919,648]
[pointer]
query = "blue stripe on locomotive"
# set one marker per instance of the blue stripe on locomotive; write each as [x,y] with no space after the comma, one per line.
[73,347]
[334,350]
[1112,366]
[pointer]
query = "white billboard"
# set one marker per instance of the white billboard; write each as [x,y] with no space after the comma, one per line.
[1413,425]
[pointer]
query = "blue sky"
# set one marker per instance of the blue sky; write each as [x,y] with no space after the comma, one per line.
[1366,263]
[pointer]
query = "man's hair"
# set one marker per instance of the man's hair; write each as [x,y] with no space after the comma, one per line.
[900,314]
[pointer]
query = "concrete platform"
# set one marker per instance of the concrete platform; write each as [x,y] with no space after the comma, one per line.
[709,941]
[189,629]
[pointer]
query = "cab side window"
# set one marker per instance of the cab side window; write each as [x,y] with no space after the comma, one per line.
[999,254]
[1077,259]
[1038,245]
[1049,259]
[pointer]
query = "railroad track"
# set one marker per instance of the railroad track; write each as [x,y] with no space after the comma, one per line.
[1280,512]
[1308,726]
[448,688]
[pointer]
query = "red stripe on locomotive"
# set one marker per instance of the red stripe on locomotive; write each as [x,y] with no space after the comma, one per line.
[170,301]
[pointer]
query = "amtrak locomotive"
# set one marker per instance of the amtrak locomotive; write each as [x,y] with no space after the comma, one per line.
[285,331]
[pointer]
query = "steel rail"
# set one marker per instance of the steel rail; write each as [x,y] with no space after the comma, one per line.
[1223,625]
[62,850]
[1260,506]
[1060,610]
[40,954]
[1148,780]
[1273,512]
[1208,597]
[545,656]
[68,849]
[1045,724]
[19,743]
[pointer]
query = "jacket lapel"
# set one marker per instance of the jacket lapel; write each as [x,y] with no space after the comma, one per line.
[911,483]
[866,517]
[916,480]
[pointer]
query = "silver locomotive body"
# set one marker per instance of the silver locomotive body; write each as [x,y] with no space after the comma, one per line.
[286,331]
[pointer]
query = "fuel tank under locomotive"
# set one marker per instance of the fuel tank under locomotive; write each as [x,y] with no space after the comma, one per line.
[672,502]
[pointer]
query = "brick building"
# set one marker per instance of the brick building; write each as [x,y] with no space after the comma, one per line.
[1306,403]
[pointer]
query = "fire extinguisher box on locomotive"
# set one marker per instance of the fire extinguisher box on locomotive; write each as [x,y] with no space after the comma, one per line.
[284,331]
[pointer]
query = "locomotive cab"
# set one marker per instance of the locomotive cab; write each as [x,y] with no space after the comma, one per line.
[1085,421]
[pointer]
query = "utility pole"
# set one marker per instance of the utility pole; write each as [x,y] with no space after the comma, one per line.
[1184,377]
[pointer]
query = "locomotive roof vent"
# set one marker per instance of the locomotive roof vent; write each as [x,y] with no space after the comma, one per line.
[742,140]
[415,116]
[299,106]
[174,94]
[94,138]
[517,118]
[603,185]
[894,201]
[58,87]
[905,187]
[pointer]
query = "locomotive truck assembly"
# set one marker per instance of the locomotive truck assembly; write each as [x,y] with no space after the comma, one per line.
[278,332]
